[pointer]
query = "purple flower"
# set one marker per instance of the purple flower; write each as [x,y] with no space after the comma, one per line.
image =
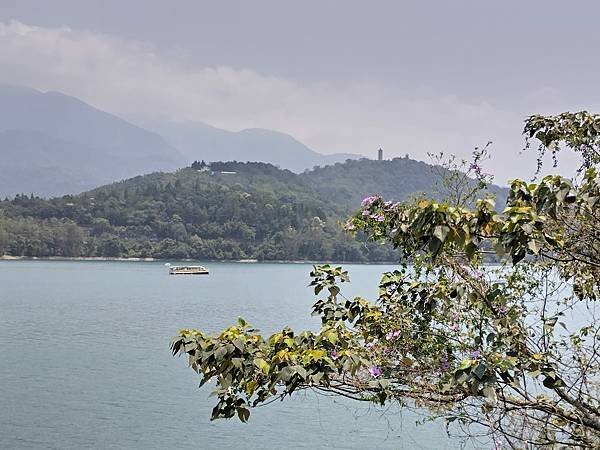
[333,355]
[392,335]
[476,354]
[375,372]
[368,200]
[379,218]
[365,212]
[444,364]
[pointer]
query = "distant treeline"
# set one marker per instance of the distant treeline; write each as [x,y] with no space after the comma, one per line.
[258,212]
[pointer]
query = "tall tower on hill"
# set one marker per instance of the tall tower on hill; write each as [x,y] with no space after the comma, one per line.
[380,155]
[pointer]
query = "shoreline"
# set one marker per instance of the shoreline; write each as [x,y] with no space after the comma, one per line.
[71,258]
[122,259]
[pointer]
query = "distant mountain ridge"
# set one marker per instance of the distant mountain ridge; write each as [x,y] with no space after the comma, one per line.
[197,141]
[59,144]
[54,144]
[32,161]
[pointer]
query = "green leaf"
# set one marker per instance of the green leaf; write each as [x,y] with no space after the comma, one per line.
[220,352]
[239,344]
[441,232]
[286,373]
[552,382]
[479,370]
[334,290]
[465,364]
[300,371]
[534,246]
[489,393]
[435,246]
[262,365]
[243,414]
[470,250]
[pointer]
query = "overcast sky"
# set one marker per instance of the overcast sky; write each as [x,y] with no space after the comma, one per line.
[349,76]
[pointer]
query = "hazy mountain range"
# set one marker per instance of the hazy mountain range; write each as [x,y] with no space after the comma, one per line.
[52,144]
[195,139]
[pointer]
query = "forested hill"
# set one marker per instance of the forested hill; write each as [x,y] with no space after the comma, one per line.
[257,212]
[228,211]
[346,184]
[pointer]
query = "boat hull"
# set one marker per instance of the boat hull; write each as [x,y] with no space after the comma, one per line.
[188,270]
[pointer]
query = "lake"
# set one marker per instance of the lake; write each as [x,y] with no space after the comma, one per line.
[85,360]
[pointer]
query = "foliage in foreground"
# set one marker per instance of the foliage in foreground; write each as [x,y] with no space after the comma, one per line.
[509,353]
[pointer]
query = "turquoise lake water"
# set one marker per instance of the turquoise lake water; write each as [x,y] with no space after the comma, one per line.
[85,360]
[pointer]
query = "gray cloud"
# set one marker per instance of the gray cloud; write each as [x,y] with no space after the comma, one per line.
[355,114]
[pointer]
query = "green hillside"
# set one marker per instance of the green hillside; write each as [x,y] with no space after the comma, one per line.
[228,211]
[346,184]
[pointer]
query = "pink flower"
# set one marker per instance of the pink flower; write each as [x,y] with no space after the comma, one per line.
[392,335]
[368,200]
[333,355]
[375,372]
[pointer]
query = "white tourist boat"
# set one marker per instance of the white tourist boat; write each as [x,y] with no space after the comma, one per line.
[187,270]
